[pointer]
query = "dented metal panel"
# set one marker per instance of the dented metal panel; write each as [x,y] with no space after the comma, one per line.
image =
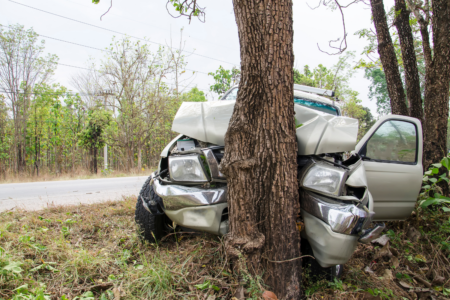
[319,133]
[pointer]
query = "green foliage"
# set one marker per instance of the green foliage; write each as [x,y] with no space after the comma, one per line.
[224,80]
[381,293]
[432,193]
[194,95]
[378,89]
[93,135]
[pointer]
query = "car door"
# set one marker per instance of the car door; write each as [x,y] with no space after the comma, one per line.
[392,156]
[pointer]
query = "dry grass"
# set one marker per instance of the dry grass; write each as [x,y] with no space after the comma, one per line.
[11,177]
[93,252]
[66,252]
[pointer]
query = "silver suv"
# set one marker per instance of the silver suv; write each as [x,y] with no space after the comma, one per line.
[340,198]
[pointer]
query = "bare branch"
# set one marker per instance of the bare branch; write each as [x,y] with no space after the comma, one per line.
[343,43]
[106,11]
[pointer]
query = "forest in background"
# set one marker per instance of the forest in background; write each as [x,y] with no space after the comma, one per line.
[127,101]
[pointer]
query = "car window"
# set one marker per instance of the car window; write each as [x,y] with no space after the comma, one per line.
[316,106]
[394,141]
[232,95]
[329,109]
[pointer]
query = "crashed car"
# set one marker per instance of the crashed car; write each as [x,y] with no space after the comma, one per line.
[346,188]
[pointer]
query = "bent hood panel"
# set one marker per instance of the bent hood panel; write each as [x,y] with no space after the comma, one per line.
[319,133]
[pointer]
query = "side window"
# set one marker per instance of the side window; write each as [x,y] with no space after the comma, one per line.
[231,95]
[394,141]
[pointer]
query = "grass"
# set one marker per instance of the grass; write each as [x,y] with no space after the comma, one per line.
[93,252]
[77,174]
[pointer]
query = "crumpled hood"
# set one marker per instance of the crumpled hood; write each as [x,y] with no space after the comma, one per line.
[319,133]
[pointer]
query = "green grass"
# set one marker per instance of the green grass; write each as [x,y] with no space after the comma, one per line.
[93,252]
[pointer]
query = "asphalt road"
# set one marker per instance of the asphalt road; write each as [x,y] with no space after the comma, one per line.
[37,195]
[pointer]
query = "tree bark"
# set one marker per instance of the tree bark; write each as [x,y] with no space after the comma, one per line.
[95,160]
[437,86]
[409,60]
[389,59]
[261,149]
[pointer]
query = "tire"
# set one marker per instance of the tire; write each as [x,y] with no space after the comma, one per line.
[150,227]
[316,271]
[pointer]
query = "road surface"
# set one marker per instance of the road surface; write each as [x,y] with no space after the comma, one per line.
[37,195]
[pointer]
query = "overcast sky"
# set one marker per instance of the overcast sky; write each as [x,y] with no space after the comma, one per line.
[217,38]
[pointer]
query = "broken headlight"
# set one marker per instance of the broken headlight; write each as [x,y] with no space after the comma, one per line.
[188,168]
[325,179]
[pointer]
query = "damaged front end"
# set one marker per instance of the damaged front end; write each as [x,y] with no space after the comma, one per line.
[191,187]
[336,207]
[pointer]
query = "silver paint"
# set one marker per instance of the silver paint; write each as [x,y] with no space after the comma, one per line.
[330,248]
[202,218]
[213,164]
[179,196]
[372,234]
[342,218]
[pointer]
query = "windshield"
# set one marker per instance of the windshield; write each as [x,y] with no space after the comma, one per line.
[316,105]
[329,109]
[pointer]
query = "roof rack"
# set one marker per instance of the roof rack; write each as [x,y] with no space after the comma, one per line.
[309,89]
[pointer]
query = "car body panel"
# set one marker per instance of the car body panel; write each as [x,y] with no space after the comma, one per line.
[394,185]
[319,133]
[329,248]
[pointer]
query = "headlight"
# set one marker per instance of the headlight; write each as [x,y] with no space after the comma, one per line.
[187,168]
[324,178]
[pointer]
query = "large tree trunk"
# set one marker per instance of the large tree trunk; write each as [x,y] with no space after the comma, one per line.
[437,85]
[389,59]
[261,149]
[409,60]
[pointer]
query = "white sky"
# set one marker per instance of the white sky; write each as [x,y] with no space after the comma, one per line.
[217,38]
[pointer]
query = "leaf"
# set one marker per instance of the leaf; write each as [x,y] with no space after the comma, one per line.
[433,180]
[437,165]
[426,187]
[425,178]
[428,172]
[446,209]
[428,202]
[446,162]
[14,267]
[216,288]
[202,286]
[435,171]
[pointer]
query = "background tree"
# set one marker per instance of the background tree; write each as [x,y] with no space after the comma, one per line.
[224,79]
[136,78]
[434,105]
[5,139]
[194,95]
[92,137]
[22,66]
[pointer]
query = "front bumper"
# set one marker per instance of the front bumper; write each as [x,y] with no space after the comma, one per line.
[333,228]
[179,196]
[342,217]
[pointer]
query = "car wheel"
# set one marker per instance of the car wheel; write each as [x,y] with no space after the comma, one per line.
[316,271]
[150,227]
